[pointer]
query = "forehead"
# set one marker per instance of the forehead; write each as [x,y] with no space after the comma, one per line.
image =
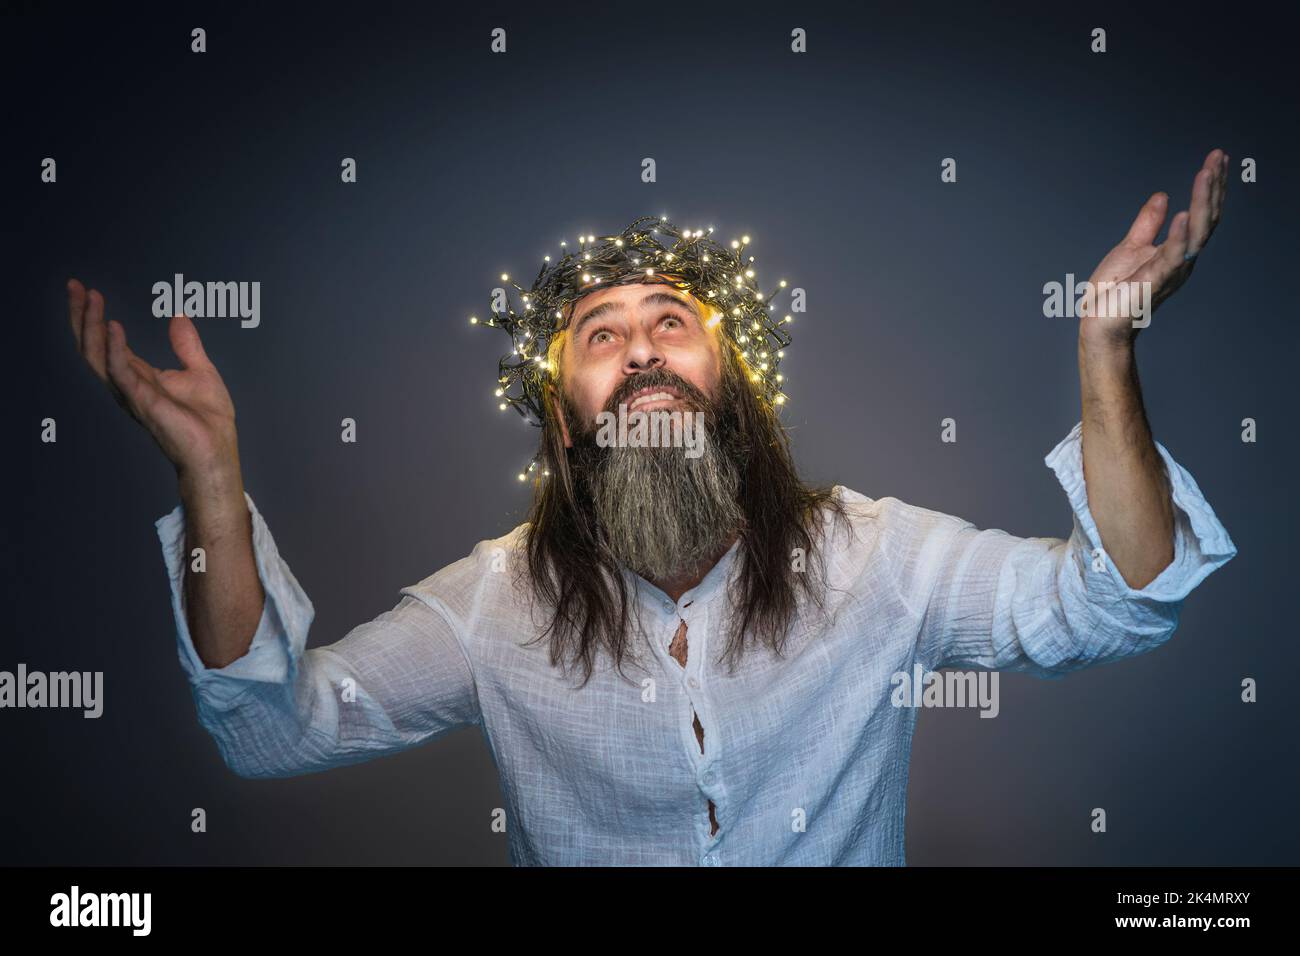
[628,295]
[631,297]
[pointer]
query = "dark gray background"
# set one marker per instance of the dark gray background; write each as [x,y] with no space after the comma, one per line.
[924,302]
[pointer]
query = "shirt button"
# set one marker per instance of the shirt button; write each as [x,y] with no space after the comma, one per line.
[711,859]
[692,682]
[708,776]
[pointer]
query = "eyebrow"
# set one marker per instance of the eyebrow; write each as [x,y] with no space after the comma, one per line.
[649,302]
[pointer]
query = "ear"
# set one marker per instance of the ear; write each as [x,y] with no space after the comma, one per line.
[557,410]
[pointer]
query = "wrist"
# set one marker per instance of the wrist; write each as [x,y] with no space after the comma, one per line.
[211,485]
[1106,352]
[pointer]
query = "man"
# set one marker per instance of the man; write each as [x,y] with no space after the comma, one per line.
[738,634]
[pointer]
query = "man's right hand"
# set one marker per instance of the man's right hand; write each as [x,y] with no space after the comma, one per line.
[187,410]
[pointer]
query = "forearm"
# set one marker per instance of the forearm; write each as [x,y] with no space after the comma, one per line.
[224,602]
[1128,492]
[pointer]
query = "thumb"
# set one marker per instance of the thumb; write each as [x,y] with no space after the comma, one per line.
[186,343]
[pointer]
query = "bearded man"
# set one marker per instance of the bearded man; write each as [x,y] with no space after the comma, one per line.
[677,659]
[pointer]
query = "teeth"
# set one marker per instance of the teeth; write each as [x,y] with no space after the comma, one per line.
[655,397]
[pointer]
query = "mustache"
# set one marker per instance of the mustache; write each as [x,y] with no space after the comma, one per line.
[718,414]
[658,378]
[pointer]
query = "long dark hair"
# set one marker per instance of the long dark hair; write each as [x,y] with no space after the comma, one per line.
[573,572]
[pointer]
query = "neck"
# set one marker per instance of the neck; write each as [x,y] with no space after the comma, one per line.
[679,584]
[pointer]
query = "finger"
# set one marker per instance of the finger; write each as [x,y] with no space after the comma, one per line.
[1222,191]
[138,392]
[1170,257]
[76,308]
[142,368]
[115,380]
[1218,186]
[1216,189]
[1199,216]
[186,342]
[1149,219]
[93,339]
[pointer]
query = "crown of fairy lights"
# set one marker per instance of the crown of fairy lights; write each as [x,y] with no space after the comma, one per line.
[649,250]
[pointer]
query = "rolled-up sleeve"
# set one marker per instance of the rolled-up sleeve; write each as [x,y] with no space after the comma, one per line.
[1047,606]
[279,710]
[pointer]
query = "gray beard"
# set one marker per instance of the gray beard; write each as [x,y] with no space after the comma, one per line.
[664,514]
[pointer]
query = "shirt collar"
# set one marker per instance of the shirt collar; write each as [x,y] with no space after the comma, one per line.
[709,585]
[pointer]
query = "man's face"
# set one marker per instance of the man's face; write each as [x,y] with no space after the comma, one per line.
[620,332]
[662,513]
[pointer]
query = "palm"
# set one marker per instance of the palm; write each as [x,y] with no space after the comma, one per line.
[193,403]
[1137,259]
[1123,263]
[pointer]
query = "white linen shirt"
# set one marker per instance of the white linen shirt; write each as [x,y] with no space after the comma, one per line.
[804,757]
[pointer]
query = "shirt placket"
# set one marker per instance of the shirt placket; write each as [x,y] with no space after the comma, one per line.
[694,680]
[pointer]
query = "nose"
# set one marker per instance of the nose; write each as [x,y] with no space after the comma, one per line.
[642,355]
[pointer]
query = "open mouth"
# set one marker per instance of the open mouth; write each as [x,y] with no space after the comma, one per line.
[651,397]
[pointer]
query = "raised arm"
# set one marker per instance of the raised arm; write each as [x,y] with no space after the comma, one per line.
[189,413]
[1143,535]
[273,707]
[1127,489]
